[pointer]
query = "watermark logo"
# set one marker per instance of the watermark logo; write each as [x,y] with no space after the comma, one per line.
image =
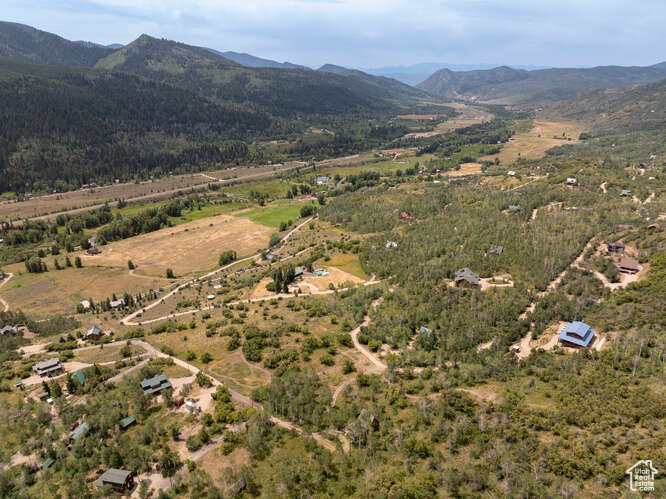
[641,476]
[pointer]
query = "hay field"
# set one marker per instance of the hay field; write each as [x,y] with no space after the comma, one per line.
[535,142]
[187,248]
[58,291]
[52,203]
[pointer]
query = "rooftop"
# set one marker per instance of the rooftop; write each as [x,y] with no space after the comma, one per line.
[81,431]
[577,333]
[155,384]
[113,476]
[466,274]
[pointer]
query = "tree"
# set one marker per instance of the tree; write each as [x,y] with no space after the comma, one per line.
[77,262]
[130,265]
[170,274]
[169,464]
[226,257]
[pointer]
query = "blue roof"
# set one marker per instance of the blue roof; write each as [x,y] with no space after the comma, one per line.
[426,331]
[81,431]
[577,333]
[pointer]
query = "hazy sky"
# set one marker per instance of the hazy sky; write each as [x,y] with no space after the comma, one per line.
[370,33]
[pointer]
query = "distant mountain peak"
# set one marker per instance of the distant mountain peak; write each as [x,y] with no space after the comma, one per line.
[332,68]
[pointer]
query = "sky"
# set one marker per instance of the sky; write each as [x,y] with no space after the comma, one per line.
[374,33]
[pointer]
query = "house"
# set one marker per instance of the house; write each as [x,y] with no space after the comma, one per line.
[9,330]
[576,334]
[270,256]
[321,180]
[298,273]
[120,480]
[210,297]
[85,304]
[466,277]
[511,173]
[117,303]
[320,272]
[615,247]
[391,244]
[155,384]
[94,333]
[48,367]
[514,208]
[18,384]
[80,377]
[48,463]
[515,349]
[625,193]
[404,215]
[628,265]
[94,250]
[496,250]
[81,431]
[572,181]
[127,422]
[652,227]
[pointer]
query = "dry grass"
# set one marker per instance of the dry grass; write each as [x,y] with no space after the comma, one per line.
[348,263]
[216,464]
[76,199]
[105,354]
[336,277]
[59,291]
[535,143]
[187,248]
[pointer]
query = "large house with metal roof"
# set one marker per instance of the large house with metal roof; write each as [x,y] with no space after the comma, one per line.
[577,335]
[94,333]
[48,367]
[155,384]
[465,277]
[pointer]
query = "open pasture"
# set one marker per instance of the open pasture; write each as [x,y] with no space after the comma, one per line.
[187,248]
[59,291]
[535,142]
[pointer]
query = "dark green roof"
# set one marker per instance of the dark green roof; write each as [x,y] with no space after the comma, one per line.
[80,377]
[48,463]
[124,423]
[80,431]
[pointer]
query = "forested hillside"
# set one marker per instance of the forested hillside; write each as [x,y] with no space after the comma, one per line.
[27,44]
[62,128]
[282,92]
[520,86]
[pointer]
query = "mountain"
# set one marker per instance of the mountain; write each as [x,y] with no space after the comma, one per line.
[280,92]
[515,86]
[115,46]
[61,127]
[251,61]
[416,73]
[331,68]
[27,44]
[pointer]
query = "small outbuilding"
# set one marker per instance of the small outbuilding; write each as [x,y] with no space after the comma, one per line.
[577,335]
[322,180]
[514,208]
[155,384]
[117,303]
[496,250]
[80,432]
[9,330]
[80,377]
[628,266]
[127,422]
[465,277]
[625,193]
[615,247]
[119,480]
[572,181]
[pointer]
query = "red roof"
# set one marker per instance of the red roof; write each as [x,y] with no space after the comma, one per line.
[404,215]
[629,264]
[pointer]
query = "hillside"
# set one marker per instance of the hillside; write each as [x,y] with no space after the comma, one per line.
[251,61]
[282,92]
[27,44]
[64,127]
[519,86]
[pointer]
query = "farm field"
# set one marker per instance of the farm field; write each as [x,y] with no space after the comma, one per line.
[534,143]
[276,213]
[58,292]
[187,248]
[349,264]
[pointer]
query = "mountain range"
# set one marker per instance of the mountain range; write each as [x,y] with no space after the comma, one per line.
[519,86]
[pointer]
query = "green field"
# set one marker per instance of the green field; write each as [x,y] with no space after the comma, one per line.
[274,215]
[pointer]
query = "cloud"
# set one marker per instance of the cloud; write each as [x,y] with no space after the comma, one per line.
[375,32]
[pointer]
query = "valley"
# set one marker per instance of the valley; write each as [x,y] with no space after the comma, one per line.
[325,283]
